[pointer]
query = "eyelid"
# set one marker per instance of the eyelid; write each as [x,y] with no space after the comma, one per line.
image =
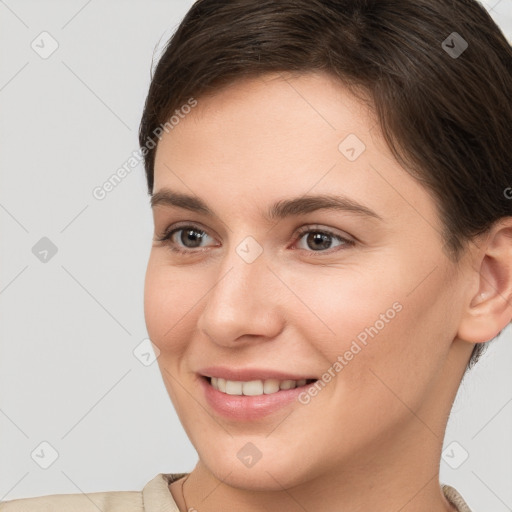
[170,230]
[319,228]
[348,240]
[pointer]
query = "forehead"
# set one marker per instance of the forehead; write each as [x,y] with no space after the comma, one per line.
[270,121]
[283,135]
[304,104]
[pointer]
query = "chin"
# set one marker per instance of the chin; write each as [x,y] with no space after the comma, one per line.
[242,465]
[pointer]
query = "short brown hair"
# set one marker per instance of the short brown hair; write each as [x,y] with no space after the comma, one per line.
[445,114]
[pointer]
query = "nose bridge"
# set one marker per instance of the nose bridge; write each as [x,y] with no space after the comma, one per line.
[240,301]
[243,265]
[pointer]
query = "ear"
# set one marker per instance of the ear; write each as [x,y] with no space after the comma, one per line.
[490,309]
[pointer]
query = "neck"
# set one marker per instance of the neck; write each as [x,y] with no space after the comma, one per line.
[406,479]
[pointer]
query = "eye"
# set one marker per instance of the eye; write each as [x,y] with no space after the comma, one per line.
[319,239]
[190,236]
[184,239]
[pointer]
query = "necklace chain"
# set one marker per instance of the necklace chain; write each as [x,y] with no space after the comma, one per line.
[187,510]
[183,494]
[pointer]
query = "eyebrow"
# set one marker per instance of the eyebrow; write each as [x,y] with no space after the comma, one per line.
[279,210]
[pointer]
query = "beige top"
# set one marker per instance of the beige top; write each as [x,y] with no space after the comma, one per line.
[154,497]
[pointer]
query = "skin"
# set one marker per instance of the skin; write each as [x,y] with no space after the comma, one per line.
[372,437]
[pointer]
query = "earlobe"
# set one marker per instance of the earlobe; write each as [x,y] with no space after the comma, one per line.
[490,309]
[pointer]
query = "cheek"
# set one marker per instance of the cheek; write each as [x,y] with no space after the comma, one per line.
[344,305]
[401,363]
[379,321]
[170,295]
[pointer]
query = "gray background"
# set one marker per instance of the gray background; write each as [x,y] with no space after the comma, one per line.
[69,326]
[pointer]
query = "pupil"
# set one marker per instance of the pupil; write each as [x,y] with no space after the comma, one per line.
[191,237]
[321,238]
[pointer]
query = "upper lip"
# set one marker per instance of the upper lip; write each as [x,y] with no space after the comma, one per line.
[247,374]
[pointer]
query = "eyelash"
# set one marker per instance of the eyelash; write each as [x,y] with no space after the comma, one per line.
[167,236]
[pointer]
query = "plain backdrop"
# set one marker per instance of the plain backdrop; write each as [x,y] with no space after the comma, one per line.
[73,395]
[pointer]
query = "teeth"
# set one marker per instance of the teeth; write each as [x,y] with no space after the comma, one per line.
[254,387]
[287,384]
[270,386]
[233,387]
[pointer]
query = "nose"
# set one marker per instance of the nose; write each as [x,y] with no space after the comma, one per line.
[244,302]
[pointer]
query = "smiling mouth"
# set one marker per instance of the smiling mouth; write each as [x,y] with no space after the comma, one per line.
[255,387]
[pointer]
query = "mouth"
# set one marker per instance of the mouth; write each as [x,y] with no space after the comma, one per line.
[252,394]
[257,387]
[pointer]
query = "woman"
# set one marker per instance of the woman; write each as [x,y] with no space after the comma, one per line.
[330,184]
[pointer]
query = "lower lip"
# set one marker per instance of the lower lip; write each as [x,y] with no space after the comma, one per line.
[242,407]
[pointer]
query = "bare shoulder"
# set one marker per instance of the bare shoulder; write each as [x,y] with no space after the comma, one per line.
[115,501]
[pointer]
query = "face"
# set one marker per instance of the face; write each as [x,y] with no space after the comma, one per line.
[250,288]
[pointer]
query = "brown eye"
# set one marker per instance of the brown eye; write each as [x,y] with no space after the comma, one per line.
[183,239]
[320,241]
[186,239]
[190,236]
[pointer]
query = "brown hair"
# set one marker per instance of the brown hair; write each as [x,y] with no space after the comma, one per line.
[444,108]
